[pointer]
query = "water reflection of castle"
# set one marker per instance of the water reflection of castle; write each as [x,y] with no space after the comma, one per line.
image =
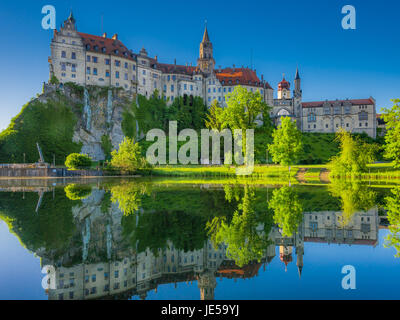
[127,273]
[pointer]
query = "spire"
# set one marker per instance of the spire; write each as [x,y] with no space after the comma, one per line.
[71,16]
[297,74]
[205,35]
[300,268]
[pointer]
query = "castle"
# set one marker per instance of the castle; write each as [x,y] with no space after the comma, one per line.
[98,60]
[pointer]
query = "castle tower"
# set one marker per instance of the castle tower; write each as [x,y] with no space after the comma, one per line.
[284,89]
[207,283]
[206,61]
[299,262]
[297,85]
[69,24]
[285,255]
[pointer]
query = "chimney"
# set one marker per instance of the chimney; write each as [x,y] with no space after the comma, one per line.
[105,35]
[262,78]
[156,58]
[115,37]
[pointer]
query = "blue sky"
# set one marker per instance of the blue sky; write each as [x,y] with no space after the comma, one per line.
[279,35]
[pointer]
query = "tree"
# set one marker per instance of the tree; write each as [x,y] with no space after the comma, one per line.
[128,157]
[243,109]
[392,138]
[353,157]
[214,118]
[76,161]
[287,144]
[288,210]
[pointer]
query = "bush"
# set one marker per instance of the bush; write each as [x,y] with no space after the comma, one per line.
[78,161]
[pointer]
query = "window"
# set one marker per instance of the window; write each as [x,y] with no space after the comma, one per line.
[117,74]
[116,274]
[126,76]
[173,78]
[73,68]
[94,59]
[362,116]
[311,117]
[63,67]
[71,295]
[73,75]
[133,67]
[107,74]
[185,86]
[126,65]
[327,110]
[107,61]
[63,54]
[172,88]
[191,87]
[88,70]
[117,63]
[94,278]
[73,55]
[88,58]
[144,72]
[95,71]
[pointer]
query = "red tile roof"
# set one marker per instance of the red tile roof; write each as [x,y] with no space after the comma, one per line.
[243,76]
[97,43]
[356,102]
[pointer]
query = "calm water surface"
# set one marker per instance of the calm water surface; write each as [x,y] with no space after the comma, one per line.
[179,239]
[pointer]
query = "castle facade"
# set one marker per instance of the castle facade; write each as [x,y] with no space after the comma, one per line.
[87,59]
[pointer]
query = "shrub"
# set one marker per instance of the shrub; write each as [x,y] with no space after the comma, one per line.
[77,161]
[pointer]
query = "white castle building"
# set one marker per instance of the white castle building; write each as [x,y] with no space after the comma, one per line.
[98,60]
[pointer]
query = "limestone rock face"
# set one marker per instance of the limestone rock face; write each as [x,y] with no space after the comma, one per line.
[100,115]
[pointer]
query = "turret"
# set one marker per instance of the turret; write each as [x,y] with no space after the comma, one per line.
[297,85]
[206,61]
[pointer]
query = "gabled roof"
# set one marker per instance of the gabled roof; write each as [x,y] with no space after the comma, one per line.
[178,69]
[97,43]
[242,76]
[354,102]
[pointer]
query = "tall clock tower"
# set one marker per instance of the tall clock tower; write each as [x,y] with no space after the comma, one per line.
[206,61]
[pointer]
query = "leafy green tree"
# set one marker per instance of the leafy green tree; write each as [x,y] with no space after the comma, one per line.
[188,111]
[76,161]
[128,157]
[393,214]
[287,145]
[288,210]
[353,157]
[243,109]
[392,137]
[214,118]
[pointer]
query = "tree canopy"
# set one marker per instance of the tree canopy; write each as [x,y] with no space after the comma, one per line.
[287,144]
[392,137]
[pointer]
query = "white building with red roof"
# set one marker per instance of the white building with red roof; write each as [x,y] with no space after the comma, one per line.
[98,60]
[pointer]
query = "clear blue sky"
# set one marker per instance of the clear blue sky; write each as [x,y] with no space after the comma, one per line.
[334,63]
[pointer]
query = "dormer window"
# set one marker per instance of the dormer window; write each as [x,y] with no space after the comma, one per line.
[96,48]
[116,51]
[103,49]
[88,47]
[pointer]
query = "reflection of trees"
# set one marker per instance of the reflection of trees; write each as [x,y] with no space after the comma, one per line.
[77,192]
[246,234]
[354,197]
[393,214]
[288,210]
[128,196]
[51,228]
